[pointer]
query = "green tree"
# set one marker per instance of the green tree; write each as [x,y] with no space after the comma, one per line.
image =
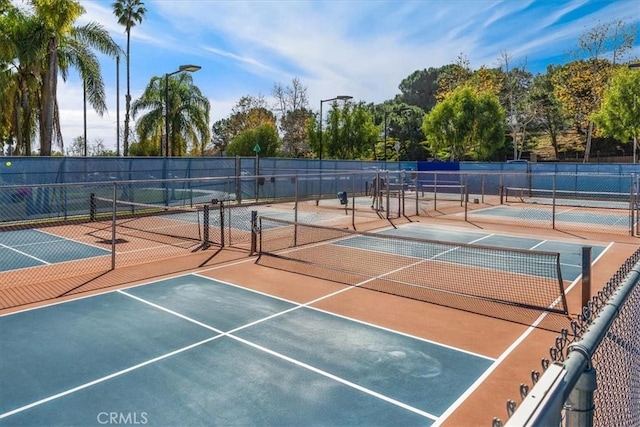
[220,135]
[350,132]
[578,86]
[188,116]
[48,46]
[600,48]
[453,77]
[514,98]
[465,125]
[619,114]
[419,89]
[550,117]
[294,138]
[403,126]
[292,107]
[265,136]
[250,112]
[20,56]
[129,13]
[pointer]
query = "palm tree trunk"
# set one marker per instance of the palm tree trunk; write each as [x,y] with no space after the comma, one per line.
[47,98]
[127,108]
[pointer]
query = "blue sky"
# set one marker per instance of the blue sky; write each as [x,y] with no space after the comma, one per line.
[362,48]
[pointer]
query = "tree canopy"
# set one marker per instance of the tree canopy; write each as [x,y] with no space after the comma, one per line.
[264,136]
[619,114]
[466,125]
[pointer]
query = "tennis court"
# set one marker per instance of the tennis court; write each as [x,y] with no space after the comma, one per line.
[32,248]
[244,344]
[196,351]
[566,214]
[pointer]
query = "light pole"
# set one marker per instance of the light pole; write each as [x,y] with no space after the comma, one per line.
[118,105]
[189,68]
[322,101]
[396,111]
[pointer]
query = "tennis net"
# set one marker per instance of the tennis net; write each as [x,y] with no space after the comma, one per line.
[481,279]
[171,225]
[579,198]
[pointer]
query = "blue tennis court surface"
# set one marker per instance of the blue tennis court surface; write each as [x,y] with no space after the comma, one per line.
[195,351]
[570,252]
[31,248]
[562,214]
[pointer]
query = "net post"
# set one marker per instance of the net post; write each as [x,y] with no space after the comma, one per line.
[502,190]
[466,199]
[435,191]
[416,183]
[222,223]
[260,236]
[295,198]
[92,207]
[353,201]
[403,175]
[238,166]
[254,232]
[113,229]
[205,225]
[586,275]
[386,184]
[553,204]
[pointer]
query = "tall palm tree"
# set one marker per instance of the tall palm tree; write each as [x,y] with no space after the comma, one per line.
[128,12]
[188,115]
[22,50]
[68,46]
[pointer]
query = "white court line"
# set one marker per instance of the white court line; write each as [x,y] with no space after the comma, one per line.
[25,254]
[73,241]
[542,242]
[105,378]
[480,239]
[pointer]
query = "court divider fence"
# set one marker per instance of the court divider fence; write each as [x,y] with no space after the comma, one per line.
[593,375]
[597,203]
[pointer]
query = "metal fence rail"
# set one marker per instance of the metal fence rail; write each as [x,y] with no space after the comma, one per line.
[593,378]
